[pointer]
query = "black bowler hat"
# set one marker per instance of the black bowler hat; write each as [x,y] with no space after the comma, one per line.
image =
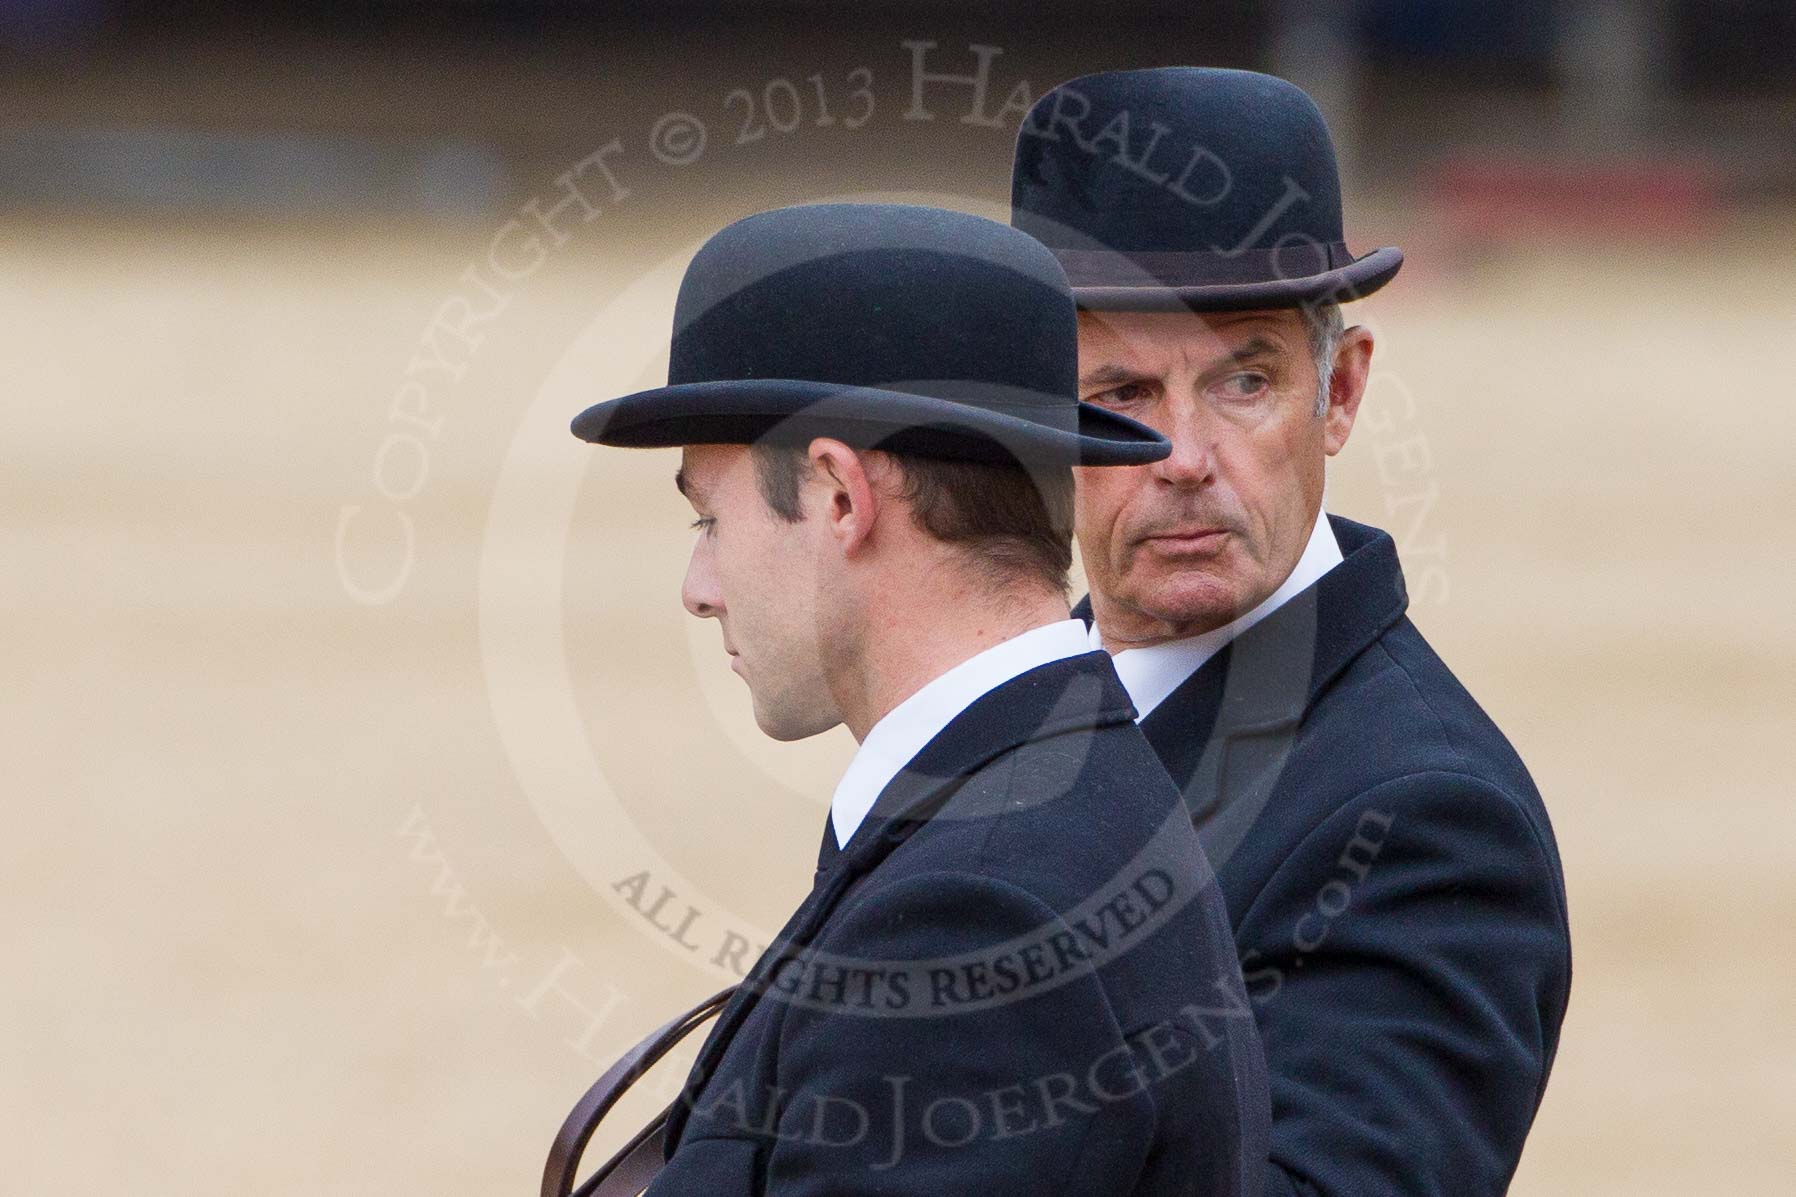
[887,326]
[1190,187]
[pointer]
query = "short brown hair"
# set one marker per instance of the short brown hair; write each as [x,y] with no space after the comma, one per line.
[1013,522]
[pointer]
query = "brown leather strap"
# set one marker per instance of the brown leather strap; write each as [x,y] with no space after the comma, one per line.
[629,1171]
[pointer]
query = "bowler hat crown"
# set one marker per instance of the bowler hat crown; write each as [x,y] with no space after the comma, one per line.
[1188,187]
[886,325]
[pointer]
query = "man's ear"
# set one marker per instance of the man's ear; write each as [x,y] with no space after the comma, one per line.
[1347,386]
[849,499]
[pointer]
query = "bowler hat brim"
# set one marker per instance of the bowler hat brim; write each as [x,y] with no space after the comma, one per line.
[1358,278]
[787,411]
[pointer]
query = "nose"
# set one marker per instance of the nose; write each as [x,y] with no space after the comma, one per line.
[1192,461]
[699,592]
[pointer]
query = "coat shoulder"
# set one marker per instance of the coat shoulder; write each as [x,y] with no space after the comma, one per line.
[1398,713]
[1059,815]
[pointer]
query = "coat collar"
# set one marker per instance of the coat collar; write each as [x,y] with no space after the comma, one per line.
[1226,731]
[901,733]
[1069,695]
[1336,619]
[1072,694]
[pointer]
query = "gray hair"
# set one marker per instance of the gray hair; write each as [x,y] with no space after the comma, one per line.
[1325,327]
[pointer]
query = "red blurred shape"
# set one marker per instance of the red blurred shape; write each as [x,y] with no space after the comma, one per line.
[1496,197]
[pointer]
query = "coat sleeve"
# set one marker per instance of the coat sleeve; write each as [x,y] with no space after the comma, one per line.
[1030,1093]
[1410,964]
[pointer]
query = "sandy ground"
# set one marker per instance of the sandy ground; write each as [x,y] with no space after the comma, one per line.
[311,893]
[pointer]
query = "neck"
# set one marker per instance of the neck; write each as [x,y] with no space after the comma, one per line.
[913,636]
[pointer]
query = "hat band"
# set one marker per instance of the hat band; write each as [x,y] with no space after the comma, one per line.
[1200,268]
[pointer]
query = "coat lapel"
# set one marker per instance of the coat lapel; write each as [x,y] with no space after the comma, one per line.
[1074,694]
[828,850]
[824,891]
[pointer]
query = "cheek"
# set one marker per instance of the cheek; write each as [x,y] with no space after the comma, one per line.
[1261,462]
[1248,465]
[1099,495]
[734,557]
[1302,457]
[1276,472]
[769,573]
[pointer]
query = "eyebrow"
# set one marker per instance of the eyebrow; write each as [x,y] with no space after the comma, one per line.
[685,486]
[1107,374]
[1112,373]
[1257,347]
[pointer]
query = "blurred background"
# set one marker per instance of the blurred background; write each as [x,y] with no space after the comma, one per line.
[368,790]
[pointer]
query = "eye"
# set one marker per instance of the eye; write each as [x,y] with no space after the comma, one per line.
[1248,384]
[704,523]
[1121,396]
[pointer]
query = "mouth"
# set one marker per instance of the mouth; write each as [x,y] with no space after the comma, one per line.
[1187,540]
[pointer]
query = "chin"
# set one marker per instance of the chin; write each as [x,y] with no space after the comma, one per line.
[1193,599]
[787,726]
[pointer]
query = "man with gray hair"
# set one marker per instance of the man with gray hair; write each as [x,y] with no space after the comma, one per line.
[1390,872]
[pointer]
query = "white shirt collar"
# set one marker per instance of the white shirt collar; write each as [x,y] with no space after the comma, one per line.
[1150,674]
[907,727]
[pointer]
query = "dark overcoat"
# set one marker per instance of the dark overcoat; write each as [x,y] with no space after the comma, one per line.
[1016,977]
[1393,886]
